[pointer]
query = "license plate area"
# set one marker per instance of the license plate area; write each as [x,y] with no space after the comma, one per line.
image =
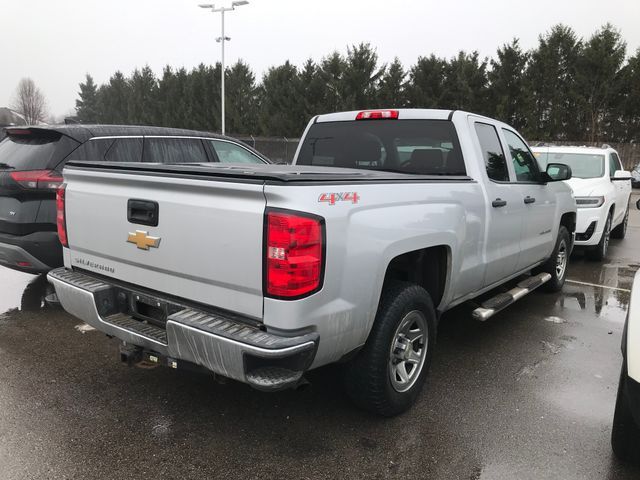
[148,309]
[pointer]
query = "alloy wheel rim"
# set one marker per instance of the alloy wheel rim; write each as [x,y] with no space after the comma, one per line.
[561,260]
[408,351]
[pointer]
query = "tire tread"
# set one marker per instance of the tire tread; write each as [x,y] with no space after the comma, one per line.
[366,377]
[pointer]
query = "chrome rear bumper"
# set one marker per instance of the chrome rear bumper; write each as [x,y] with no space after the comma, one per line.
[220,342]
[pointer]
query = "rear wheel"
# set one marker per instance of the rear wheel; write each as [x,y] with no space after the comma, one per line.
[600,251]
[621,230]
[625,434]
[387,375]
[556,265]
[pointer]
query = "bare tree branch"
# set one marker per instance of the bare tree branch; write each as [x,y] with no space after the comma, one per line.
[30,102]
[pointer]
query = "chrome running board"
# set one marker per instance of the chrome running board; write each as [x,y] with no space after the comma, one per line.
[503,300]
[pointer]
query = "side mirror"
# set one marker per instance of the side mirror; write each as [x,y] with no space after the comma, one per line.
[557,172]
[621,175]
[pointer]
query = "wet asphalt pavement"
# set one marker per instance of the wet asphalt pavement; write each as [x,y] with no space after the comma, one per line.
[527,395]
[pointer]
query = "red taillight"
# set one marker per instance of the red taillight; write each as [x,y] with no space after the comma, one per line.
[294,253]
[61,219]
[38,179]
[377,115]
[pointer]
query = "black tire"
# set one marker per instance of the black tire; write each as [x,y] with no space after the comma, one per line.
[368,376]
[558,276]
[621,230]
[599,252]
[625,434]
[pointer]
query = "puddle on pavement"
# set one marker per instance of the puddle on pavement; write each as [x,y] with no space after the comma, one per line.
[609,292]
[21,291]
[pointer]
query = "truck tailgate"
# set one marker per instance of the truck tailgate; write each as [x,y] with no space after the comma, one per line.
[206,247]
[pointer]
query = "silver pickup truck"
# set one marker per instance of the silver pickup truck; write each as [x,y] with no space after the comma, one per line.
[261,272]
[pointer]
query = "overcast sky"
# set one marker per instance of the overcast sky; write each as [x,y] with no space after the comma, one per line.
[57,42]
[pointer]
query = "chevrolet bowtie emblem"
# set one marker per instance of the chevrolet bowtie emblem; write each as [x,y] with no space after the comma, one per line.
[143,241]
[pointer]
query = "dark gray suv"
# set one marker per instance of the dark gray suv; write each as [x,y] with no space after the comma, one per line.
[31,162]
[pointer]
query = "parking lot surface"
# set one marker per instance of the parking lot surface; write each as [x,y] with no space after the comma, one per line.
[527,395]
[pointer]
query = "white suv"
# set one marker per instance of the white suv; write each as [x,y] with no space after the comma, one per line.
[602,190]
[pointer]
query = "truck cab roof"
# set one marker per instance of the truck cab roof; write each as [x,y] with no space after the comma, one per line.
[403,114]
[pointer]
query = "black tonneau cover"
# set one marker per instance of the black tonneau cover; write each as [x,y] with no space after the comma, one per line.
[255,173]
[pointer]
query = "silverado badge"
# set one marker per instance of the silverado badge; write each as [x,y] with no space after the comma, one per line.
[143,241]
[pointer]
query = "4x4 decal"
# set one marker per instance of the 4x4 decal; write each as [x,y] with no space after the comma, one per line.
[332,198]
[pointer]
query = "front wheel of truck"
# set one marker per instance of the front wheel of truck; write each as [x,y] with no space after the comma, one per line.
[556,265]
[387,375]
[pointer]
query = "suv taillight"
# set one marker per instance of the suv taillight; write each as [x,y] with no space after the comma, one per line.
[38,179]
[61,219]
[294,254]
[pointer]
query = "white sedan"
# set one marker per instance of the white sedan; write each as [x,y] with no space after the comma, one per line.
[602,190]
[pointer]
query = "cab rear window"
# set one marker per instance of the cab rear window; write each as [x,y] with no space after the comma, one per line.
[34,152]
[425,147]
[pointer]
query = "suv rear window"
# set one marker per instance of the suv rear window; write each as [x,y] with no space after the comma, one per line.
[425,147]
[34,152]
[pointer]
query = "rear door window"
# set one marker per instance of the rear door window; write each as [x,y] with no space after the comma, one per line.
[174,150]
[228,152]
[494,160]
[524,163]
[423,147]
[34,151]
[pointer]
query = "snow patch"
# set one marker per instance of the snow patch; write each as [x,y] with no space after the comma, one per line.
[84,328]
[555,319]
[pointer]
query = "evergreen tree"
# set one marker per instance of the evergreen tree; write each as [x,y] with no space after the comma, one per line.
[360,77]
[465,86]
[279,106]
[562,90]
[599,76]
[113,100]
[332,70]
[392,88]
[311,92]
[242,98]
[625,110]
[87,107]
[142,106]
[203,94]
[508,90]
[169,99]
[552,76]
[426,83]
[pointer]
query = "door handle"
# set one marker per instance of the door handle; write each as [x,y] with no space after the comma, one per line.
[498,202]
[142,212]
[529,199]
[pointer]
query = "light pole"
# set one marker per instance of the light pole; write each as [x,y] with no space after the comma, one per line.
[221,40]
